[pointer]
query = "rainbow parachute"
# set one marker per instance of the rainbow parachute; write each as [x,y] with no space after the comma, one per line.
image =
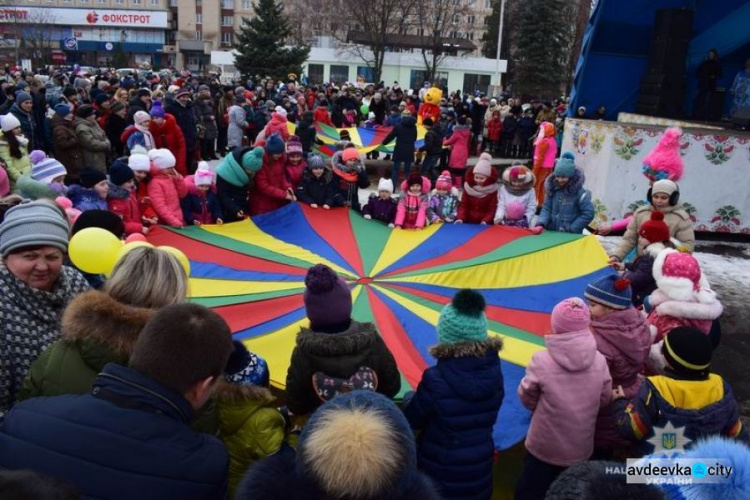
[252,273]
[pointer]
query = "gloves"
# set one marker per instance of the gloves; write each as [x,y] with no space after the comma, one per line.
[537,230]
[368,216]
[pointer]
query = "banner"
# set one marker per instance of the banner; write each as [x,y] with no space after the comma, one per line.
[84,17]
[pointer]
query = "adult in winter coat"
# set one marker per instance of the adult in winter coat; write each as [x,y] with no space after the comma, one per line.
[101,327]
[185,115]
[141,102]
[237,123]
[479,201]
[664,196]
[567,205]
[94,143]
[457,402]
[167,135]
[405,135]
[129,437]
[316,187]
[67,146]
[35,288]
[624,339]
[334,346]
[23,110]
[166,188]
[205,111]
[306,133]
[114,126]
[564,387]
[233,181]
[358,445]
[459,142]
[272,188]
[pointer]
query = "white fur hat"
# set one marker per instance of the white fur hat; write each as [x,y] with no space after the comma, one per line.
[138,161]
[679,276]
[280,111]
[162,158]
[385,185]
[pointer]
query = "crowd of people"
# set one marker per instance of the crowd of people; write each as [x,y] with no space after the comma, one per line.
[116,387]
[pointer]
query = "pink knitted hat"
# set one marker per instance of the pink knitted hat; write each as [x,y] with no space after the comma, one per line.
[484,165]
[664,161]
[570,315]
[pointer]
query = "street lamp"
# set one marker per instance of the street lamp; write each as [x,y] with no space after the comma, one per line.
[498,75]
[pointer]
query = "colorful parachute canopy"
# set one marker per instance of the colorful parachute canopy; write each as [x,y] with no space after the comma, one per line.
[252,273]
[365,139]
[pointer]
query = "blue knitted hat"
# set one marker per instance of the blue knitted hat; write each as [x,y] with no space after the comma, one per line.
[611,291]
[246,368]
[565,166]
[275,145]
[463,320]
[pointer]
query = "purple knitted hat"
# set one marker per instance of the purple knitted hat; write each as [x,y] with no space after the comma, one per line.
[328,300]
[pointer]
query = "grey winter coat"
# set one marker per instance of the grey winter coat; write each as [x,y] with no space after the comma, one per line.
[567,209]
[237,124]
[94,144]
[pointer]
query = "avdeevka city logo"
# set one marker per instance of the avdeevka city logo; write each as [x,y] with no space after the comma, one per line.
[669,440]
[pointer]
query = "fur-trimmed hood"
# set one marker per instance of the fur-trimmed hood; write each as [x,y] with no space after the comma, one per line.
[466,349]
[528,185]
[117,192]
[356,338]
[571,188]
[707,309]
[426,184]
[94,315]
[235,393]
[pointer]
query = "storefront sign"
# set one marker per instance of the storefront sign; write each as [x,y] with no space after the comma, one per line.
[84,17]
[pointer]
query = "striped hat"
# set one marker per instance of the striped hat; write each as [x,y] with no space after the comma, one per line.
[47,170]
[611,291]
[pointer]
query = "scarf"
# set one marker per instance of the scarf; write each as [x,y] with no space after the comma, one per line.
[148,139]
[30,320]
[479,191]
[517,191]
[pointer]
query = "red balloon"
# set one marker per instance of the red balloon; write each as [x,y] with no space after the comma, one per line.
[135,237]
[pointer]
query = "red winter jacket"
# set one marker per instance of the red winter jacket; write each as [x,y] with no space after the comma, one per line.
[165,193]
[321,115]
[271,186]
[474,210]
[294,173]
[124,204]
[495,127]
[144,204]
[277,125]
[169,136]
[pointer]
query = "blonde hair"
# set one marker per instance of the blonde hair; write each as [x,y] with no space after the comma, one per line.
[157,94]
[148,277]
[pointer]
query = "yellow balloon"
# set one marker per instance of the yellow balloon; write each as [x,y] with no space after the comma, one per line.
[94,250]
[184,261]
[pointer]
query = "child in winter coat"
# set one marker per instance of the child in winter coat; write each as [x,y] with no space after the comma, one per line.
[564,386]
[316,187]
[201,205]
[479,202]
[49,172]
[382,206]
[335,350]
[412,204]
[272,188]
[686,396]
[517,188]
[653,238]
[683,297]
[443,204]
[249,425]
[545,152]
[91,193]
[494,133]
[295,163]
[624,339]
[349,175]
[233,178]
[567,205]
[457,401]
[459,141]
[122,200]
[166,188]
[433,148]
[140,164]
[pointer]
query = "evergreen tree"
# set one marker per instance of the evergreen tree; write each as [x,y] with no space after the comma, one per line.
[260,44]
[542,37]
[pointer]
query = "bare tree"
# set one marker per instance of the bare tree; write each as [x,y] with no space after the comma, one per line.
[435,20]
[32,33]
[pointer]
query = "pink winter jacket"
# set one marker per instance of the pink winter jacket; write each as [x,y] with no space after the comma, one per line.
[564,387]
[412,210]
[624,338]
[165,193]
[460,141]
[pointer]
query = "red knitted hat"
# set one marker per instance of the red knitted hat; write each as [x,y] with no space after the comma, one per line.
[655,230]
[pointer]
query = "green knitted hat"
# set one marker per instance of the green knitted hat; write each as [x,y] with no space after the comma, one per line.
[253,159]
[463,320]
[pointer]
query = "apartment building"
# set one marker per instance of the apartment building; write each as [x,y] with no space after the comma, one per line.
[87,32]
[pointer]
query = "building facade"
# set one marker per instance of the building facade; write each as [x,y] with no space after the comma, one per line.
[86,32]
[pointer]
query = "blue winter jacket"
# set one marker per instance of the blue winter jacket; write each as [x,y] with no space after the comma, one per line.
[566,209]
[455,407]
[130,438]
[86,199]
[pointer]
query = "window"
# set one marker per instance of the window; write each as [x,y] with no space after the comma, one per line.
[227,4]
[339,74]
[66,1]
[102,2]
[418,77]
[173,3]
[487,4]
[365,72]
[155,3]
[470,36]
[474,82]
[119,2]
[198,18]
[199,35]
[227,20]
[453,34]
[136,2]
[83,1]
[226,38]
[315,73]
[456,18]
[246,5]
[470,20]
[172,36]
